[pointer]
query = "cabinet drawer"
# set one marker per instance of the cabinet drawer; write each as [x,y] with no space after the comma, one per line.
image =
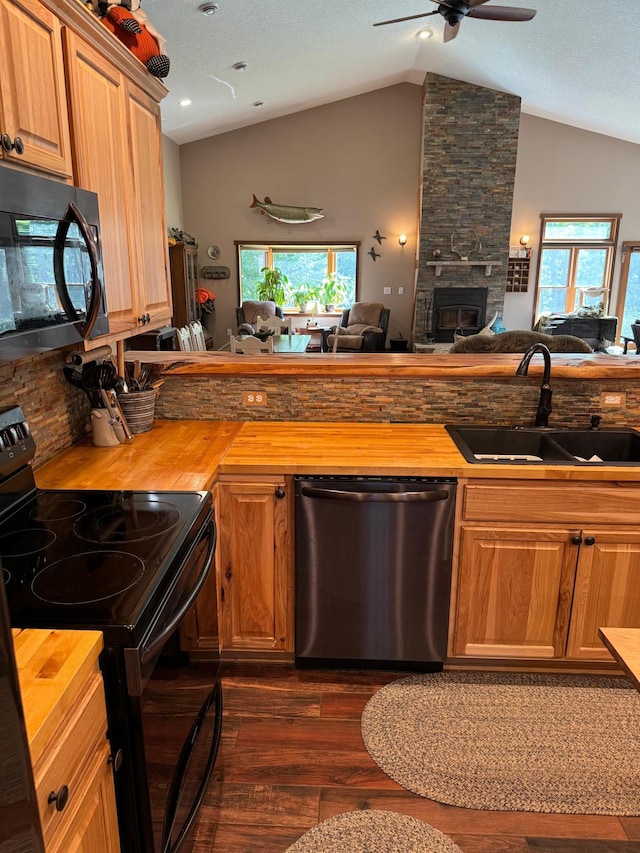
[565,503]
[65,761]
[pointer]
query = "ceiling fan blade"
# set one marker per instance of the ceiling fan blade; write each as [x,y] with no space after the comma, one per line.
[501,13]
[408,18]
[450,32]
[471,4]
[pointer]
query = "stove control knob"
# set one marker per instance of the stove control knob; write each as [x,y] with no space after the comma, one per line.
[60,798]
[116,760]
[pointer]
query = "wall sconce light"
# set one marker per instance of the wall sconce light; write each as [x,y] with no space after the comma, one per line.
[402,239]
[524,240]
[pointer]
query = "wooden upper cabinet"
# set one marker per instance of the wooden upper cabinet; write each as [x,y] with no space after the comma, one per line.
[152,255]
[33,103]
[98,101]
[117,152]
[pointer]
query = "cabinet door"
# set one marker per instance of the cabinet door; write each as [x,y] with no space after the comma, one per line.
[154,294]
[607,590]
[199,630]
[99,125]
[93,826]
[256,565]
[33,104]
[514,592]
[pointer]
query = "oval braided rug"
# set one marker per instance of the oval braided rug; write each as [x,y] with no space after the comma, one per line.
[373,832]
[510,742]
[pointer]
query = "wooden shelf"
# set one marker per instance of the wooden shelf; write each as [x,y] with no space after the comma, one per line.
[488,265]
[518,275]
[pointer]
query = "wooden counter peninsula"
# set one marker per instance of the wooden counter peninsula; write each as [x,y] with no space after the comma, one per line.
[395,387]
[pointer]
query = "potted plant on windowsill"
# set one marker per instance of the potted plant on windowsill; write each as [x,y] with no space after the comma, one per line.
[305,298]
[333,291]
[272,287]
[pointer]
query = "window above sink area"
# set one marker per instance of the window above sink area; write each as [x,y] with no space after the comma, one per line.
[536,446]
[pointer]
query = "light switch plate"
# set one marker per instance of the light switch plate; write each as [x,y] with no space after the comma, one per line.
[386,291]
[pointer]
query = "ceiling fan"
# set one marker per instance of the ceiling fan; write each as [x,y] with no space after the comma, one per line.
[453,11]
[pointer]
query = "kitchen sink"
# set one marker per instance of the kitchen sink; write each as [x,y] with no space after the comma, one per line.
[613,446]
[536,446]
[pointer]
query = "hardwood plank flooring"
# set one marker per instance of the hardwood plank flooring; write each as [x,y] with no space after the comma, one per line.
[292,756]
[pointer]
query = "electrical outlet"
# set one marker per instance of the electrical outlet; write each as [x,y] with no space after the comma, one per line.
[254,398]
[613,398]
[229,331]
[386,291]
[400,291]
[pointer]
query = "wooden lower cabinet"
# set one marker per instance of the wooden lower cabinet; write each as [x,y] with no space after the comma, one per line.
[93,824]
[514,592]
[540,591]
[255,565]
[607,590]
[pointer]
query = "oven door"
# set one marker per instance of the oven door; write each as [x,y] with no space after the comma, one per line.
[171,719]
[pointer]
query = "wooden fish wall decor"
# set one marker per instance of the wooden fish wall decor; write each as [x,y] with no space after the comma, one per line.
[286,212]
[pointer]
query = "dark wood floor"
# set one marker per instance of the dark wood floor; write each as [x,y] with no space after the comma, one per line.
[292,756]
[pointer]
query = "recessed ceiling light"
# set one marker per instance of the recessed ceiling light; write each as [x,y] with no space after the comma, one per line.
[258,104]
[424,33]
[239,66]
[185,102]
[208,8]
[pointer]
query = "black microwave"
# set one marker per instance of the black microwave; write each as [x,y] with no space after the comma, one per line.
[51,278]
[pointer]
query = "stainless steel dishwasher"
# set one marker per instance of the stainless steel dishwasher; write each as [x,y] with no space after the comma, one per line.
[373,571]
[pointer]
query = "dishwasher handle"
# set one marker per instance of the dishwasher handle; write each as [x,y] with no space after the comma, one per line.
[376,497]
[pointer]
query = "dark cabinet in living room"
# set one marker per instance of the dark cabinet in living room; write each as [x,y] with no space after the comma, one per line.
[183,264]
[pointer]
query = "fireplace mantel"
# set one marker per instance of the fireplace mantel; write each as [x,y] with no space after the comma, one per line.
[488,265]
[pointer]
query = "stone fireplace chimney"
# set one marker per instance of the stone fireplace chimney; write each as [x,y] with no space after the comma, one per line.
[470,146]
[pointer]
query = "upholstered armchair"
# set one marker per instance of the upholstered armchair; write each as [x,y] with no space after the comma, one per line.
[362,328]
[248,313]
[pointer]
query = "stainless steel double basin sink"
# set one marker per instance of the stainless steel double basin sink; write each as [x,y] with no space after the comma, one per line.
[538,445]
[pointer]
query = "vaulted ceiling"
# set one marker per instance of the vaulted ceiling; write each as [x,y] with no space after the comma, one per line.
[575,62]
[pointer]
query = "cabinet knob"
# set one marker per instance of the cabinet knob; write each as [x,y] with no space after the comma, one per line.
[60,798]
[577,539]
[6,142]
[116,760]
[280,493]
[18,144]
[589,540]
[144,318]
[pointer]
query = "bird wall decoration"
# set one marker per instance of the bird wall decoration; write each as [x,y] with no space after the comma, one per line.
[373,253]
[378,236]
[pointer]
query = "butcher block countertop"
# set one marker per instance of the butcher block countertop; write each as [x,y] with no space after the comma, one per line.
[190,454]
[52,667]
[174,455]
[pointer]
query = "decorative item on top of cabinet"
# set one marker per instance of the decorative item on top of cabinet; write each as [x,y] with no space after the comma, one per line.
[34,125]
[255,554]
[542,566]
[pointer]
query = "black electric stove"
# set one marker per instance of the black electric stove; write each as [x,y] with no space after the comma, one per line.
[130,564]
[95,559]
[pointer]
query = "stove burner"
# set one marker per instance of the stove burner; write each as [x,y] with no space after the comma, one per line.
[88,577]
[23,542]
[134,519]
[55,509]
[6,575]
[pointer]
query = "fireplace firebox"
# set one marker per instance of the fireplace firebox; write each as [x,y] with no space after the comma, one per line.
[458,309]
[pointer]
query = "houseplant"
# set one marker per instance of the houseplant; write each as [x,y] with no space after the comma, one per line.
[333,291]
[272,286]
[304,297]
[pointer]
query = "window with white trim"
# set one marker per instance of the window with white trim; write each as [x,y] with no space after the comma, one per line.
[576,255]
